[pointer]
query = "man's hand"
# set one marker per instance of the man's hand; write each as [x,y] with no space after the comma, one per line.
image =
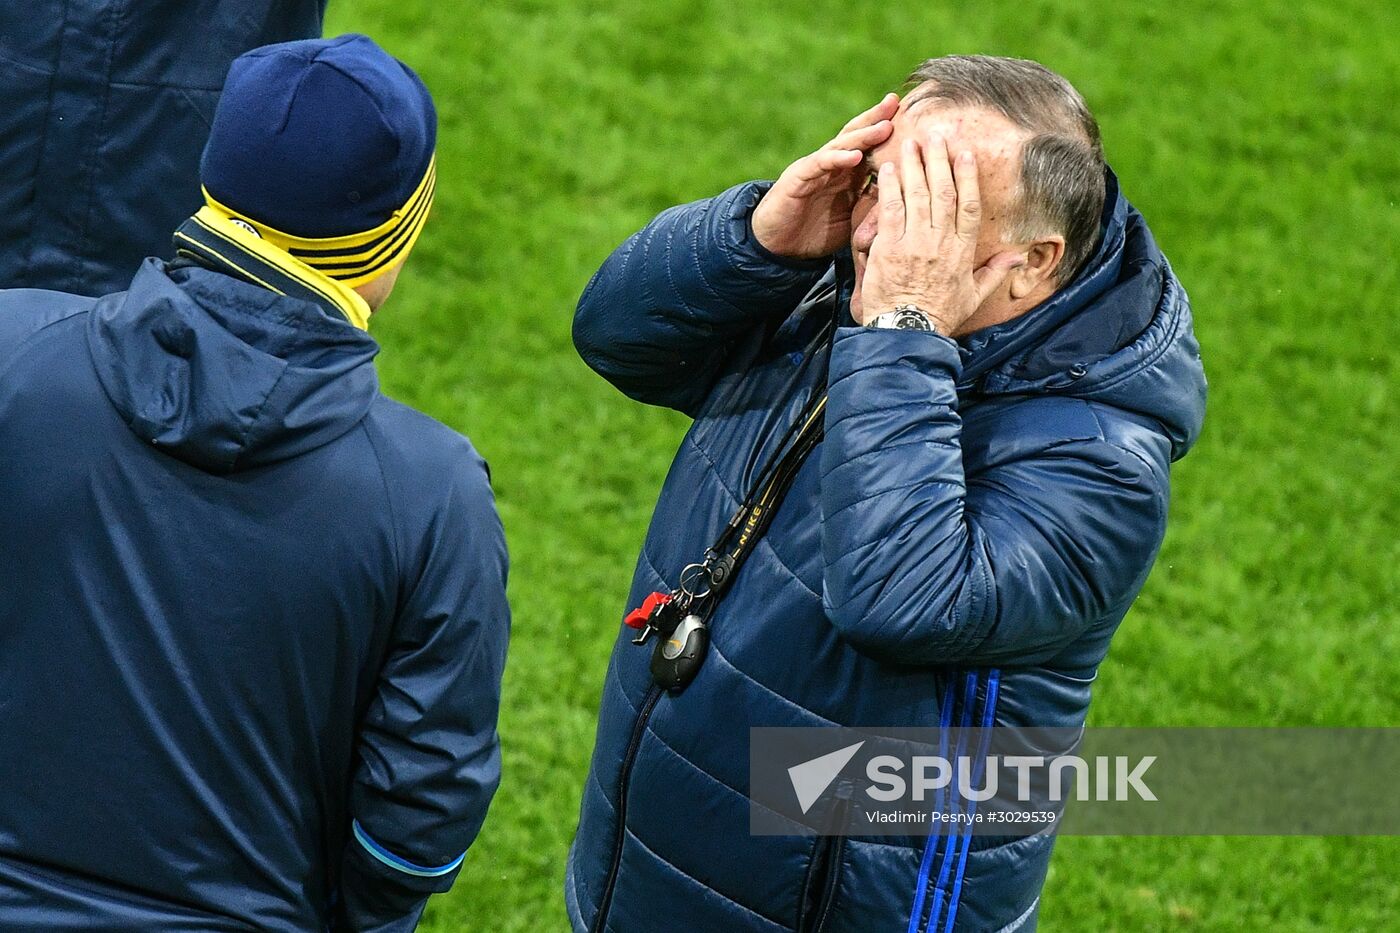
[923,252]
[807,212]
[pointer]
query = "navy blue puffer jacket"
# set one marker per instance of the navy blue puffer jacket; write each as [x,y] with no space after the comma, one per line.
[252,619]
[104,108]
[959,550]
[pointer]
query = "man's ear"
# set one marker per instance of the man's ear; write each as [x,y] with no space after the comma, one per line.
[1042,259]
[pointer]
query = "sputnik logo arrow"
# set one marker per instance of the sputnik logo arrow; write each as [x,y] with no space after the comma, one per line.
[811,778]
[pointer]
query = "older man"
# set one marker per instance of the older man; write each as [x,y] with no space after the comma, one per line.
[252,613]
[1003,364]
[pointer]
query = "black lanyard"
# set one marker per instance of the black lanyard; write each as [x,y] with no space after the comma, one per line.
[724,558]
[681,617]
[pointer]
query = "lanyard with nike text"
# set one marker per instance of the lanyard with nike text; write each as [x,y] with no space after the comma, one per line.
[681,617]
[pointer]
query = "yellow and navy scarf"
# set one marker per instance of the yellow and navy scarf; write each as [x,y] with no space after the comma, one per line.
[323,270]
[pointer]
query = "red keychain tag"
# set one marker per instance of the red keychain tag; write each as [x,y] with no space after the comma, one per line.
[639,617]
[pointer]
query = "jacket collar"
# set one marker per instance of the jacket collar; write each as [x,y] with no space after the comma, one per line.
[989,349]
[216,242]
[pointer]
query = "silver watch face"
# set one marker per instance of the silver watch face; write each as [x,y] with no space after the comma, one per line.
[904,318]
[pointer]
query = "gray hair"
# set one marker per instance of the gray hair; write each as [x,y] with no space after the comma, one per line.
[1062,165]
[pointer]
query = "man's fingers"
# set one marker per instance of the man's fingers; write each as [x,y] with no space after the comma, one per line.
[823,162]
[831,160]
[915,185]
[938,174]
[865,137]
[884,110]
[846,151]
[890,222]
[993,273]
[969,217]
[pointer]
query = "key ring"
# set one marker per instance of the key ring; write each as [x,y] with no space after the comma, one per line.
[689,575]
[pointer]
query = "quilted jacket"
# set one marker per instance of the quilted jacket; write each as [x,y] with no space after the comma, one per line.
[960,549]
[253,619]
[104,109]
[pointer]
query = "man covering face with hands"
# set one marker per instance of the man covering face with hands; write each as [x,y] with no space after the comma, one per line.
[938,372]
[927,227]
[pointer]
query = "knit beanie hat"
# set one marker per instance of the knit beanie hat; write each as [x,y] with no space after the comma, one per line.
[324,149]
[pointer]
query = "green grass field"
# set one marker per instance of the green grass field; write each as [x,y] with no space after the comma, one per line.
[1259,139]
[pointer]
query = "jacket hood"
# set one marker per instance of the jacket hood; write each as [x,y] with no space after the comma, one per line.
[226,375]
[1120,334]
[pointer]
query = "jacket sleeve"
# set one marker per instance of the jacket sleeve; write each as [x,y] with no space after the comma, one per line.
[428,755]
[660,316]
[924,567]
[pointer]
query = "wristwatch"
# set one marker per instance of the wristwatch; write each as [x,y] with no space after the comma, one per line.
[903,317]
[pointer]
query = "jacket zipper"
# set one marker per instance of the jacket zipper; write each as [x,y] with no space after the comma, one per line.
[833,878]
[824,867]
[623,783]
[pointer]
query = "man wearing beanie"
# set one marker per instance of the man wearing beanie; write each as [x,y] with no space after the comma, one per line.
[252,612]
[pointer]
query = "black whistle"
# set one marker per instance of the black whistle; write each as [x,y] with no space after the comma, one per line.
[677,657]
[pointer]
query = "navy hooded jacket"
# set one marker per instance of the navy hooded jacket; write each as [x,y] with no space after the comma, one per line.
[959,550]
[252,619]
[104,109]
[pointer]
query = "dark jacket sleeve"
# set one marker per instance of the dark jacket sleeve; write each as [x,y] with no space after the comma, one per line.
[429,757]
[924,567]
[661,315]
